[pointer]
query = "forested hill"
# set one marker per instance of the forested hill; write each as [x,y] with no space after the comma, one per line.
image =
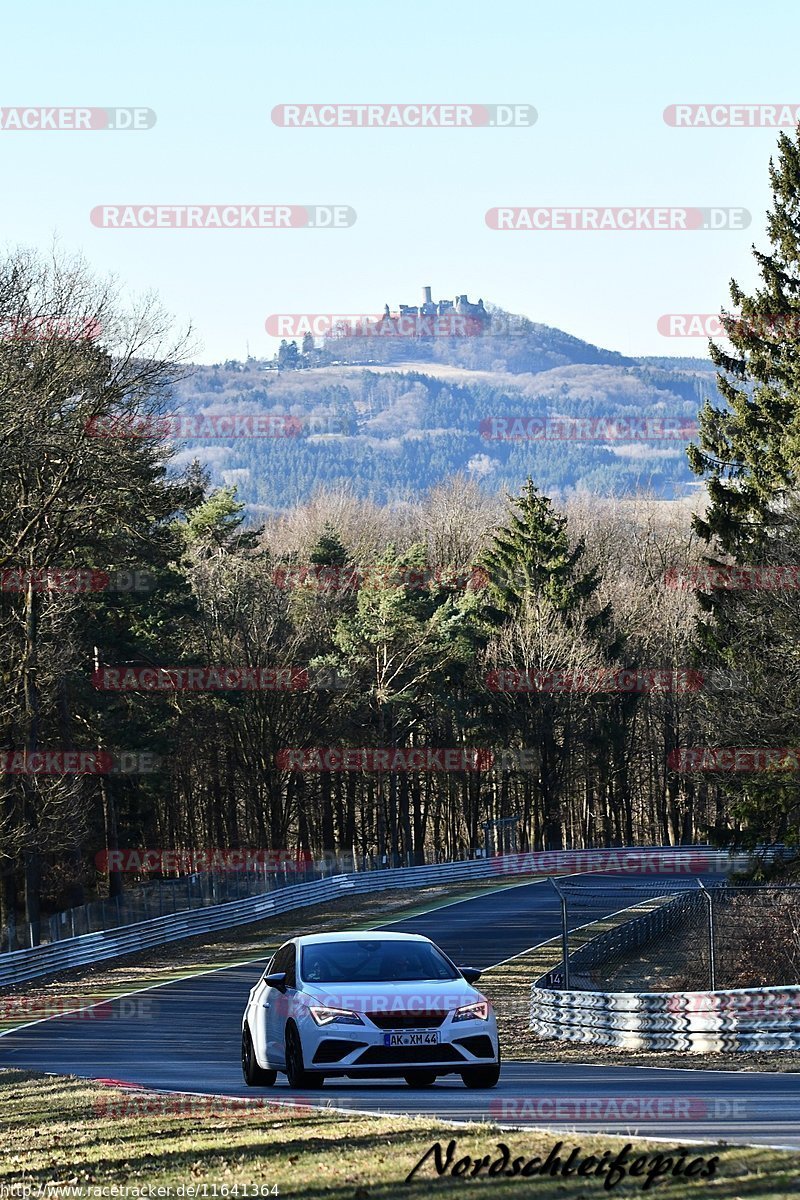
[393,416]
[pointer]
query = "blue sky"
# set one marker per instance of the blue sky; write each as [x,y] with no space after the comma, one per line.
[599,76]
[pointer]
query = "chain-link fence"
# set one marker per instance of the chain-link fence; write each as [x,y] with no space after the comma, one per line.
[677,935]
[162,897]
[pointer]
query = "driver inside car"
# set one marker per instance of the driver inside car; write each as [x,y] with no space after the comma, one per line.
[314,968]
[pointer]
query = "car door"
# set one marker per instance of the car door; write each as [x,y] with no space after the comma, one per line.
[255,1015]
[279,1005]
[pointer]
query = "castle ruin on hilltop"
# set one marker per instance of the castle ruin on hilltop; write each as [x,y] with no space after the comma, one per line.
[460,307]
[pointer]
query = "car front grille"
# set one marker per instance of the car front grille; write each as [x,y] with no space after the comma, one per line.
[389,1055]
[407,1020]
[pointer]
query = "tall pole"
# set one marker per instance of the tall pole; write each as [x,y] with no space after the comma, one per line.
[712,965]
[564,932]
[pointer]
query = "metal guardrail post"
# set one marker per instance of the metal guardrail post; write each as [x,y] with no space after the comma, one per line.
[712,966]
[564,932]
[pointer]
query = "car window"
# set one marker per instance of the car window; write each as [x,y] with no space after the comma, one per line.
[285,961]
[370,960]
[291,965]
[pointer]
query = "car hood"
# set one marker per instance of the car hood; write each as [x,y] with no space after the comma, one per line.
[407,996]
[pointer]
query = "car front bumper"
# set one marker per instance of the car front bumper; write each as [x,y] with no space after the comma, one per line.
[336,1049]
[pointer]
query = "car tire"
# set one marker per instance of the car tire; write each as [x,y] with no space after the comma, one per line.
[420,1079]
[254,1075]
[481,1077]
[296,1072]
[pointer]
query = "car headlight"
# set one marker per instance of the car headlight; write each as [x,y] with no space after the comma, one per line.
[479,1011]
[329,1016]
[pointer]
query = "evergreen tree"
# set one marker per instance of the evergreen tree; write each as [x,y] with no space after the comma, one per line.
[288,356]
[531,555]
[541,601]
[329,550]
[215,524]
[748,453]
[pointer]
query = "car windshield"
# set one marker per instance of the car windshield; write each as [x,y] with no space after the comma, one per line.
[373,961]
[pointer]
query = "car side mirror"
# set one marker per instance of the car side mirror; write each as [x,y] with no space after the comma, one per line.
[471,974]
[277,980]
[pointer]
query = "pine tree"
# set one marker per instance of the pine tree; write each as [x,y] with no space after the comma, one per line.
[542,602]
[748,453]
[532,555]
[329,550]
[288,356]
[216,523]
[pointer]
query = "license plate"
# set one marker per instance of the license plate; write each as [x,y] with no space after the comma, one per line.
[410,1039]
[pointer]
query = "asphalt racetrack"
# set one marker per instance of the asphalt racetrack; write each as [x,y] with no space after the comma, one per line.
[185,1037]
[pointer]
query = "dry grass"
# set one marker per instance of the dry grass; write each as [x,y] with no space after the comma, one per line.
[77,1133]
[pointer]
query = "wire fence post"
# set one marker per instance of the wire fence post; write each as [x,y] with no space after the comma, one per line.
[712,965]
[564,932]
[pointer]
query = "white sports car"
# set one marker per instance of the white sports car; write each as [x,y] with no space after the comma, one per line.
[367,1005]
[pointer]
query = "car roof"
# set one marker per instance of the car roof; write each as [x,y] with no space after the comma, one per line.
[359,935]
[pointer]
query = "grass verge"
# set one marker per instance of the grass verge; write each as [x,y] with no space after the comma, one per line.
[78,1134]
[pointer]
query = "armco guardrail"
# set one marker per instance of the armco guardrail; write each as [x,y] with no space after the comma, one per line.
[634,860]
[205,889]
[744,1019]
[21,965]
